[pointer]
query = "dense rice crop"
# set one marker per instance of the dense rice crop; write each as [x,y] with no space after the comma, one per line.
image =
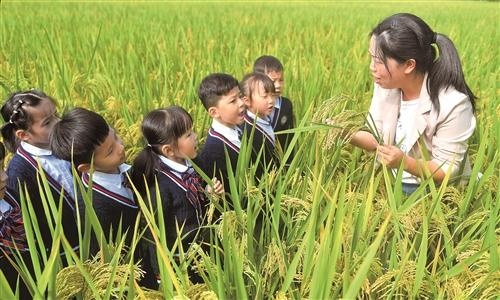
[334,225]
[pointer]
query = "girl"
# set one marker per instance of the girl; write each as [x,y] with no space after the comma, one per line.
[170,143]
[12,235]
[29,118]
[259,97]
[418,95]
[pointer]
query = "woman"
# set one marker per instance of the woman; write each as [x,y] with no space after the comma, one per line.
[420,100]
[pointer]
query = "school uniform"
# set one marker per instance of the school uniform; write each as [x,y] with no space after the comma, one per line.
[220,139]
[282,118]
[12,238]
[263,137]
[444,133]
[183,200]
[12,234]
[112,201]
[23,172]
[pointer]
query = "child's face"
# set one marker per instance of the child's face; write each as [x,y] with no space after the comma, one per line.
[3,179]
[109,155]
[261,102]
[43,117]
[186,146]
[230,110]
[278,79]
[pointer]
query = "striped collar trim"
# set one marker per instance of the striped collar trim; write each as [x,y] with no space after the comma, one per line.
[52,182]
[226,141]
[251,122]
[104,191]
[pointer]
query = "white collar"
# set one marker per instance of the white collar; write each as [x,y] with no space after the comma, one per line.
[177,167]
[264,125]
[111,179]
[277,103]
[229,133]
[259,121]
[34,150]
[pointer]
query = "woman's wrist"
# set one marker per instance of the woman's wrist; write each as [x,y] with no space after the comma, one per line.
[408,164]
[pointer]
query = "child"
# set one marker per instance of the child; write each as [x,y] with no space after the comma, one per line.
[170,143]
[258,96]
[84,137]
[282,117]
[30,117]
[220,95]
[12,234]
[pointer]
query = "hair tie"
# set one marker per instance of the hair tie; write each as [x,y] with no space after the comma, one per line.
[434,38]
[14,113]
[149,146]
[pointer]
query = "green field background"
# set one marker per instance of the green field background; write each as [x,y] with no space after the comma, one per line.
[124,59]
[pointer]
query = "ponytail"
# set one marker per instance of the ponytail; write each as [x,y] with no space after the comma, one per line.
[2,151]
[144,169]
[447,71]
[9,137]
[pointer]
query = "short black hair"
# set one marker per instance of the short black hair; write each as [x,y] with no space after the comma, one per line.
[214,86]
[77,135]
[267,63]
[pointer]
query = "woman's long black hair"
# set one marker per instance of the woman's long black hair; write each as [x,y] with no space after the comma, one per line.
[405,36]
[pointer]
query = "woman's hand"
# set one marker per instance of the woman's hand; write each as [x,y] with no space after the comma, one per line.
[217,188]
[390,155]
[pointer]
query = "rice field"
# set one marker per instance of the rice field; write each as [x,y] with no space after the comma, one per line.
[335,224]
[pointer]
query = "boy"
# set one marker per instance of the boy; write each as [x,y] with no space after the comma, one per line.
[282,117]
[259,98]
[220,95]
[83,136]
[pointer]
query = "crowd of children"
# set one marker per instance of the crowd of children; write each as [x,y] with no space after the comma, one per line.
[163,170]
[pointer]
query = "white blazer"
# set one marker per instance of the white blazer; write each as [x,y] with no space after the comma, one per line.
[444,134]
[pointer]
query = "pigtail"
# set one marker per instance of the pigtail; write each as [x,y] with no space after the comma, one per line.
[144,169]
[9,137]
[447,71]
[2,151]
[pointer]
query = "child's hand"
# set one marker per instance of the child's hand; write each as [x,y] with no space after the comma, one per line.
[217,188]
